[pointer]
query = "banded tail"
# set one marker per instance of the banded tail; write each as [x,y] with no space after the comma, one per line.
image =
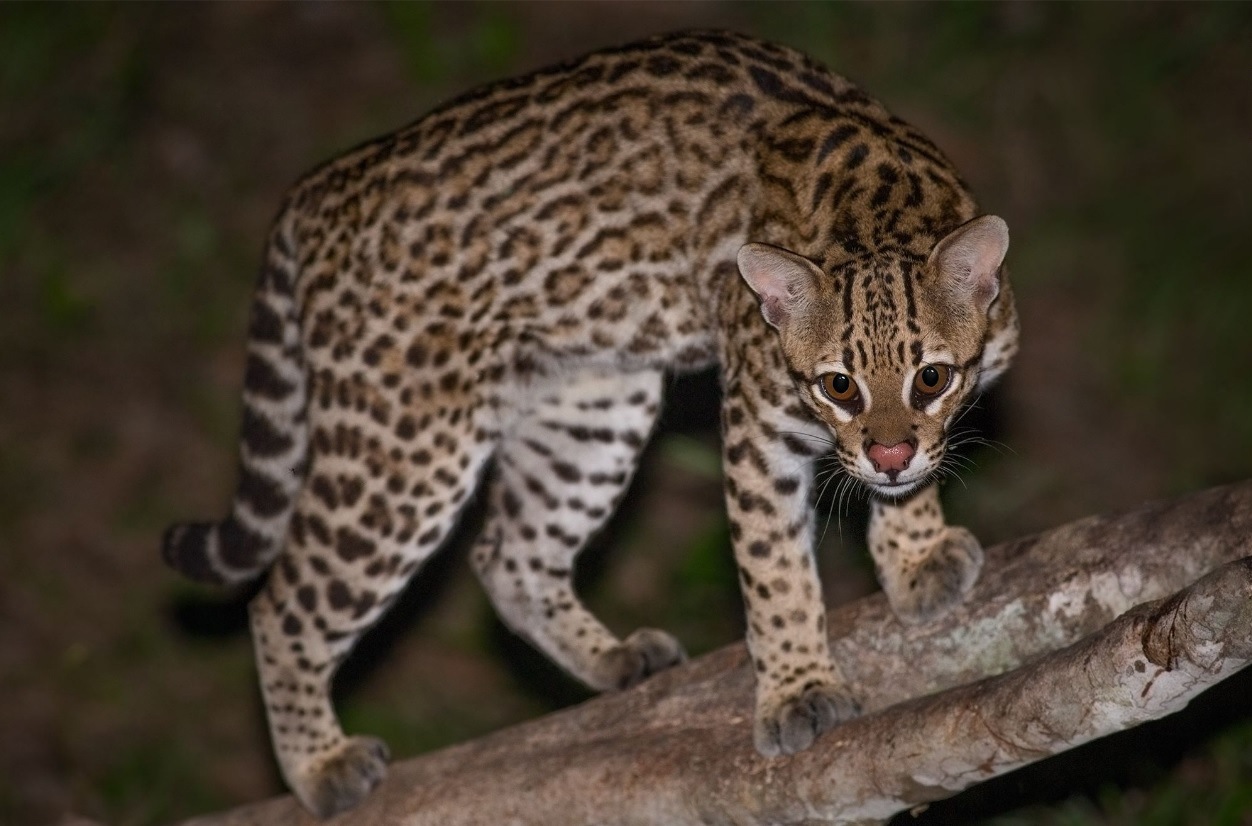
[273,442]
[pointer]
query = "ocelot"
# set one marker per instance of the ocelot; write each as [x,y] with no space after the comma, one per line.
[492,297]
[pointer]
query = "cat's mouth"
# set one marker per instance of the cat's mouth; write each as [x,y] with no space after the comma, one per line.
[896,488]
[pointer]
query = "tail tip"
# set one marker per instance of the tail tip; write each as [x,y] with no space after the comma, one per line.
[185,548]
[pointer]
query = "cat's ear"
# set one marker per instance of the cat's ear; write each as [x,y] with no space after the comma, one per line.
[783,281]
[968,260]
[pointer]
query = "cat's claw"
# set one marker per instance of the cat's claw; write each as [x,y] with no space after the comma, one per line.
[642,654]
[940,581]
[345,778]
[794,724]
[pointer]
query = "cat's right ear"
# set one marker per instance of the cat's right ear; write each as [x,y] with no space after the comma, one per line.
[783,281]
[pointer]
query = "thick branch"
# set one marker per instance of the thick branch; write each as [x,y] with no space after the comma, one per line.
[678,748]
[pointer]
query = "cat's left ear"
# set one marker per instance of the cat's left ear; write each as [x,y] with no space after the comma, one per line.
[968,260]
[783,281]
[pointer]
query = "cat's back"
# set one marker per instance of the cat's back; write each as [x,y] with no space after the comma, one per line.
[593,189]
[693,95]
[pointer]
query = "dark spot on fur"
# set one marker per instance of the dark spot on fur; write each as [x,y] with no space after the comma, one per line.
[338,595]
[351,545]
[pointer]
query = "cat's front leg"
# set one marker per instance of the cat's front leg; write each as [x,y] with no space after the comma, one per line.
[800,691]
[925,566]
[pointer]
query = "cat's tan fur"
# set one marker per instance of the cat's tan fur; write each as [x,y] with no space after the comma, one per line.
[492,296]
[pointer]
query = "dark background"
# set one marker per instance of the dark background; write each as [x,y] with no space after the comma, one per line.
[143,150]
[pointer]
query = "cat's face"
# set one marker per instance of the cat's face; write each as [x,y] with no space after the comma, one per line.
[889,377]
[886,350]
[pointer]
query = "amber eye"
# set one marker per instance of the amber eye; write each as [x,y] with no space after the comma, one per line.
[838,387]
[932,379]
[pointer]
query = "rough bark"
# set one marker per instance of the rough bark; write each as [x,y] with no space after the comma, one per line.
[677,749]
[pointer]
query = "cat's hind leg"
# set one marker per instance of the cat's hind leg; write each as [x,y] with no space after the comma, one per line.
[378,500]
[560,471]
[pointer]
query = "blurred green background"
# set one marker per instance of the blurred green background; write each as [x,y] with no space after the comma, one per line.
[143,150]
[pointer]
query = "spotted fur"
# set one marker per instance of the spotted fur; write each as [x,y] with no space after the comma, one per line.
[492,296]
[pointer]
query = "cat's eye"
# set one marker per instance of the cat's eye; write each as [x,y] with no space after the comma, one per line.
[839,387]
[931,380]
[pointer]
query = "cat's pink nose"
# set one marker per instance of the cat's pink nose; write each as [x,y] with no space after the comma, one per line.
[890,459]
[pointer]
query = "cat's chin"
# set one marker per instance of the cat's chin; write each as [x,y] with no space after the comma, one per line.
[895,490]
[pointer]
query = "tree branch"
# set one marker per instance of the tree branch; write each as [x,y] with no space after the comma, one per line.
[678,749]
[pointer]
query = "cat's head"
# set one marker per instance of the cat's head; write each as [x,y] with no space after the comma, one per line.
[886,349]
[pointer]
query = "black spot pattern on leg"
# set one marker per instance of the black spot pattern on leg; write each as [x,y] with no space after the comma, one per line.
[351,546]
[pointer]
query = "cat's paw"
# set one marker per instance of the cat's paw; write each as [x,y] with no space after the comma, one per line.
[939,581]
[792,725]
[344,778]
[640,655]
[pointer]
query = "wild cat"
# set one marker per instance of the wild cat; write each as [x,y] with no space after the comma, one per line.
[491,298]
